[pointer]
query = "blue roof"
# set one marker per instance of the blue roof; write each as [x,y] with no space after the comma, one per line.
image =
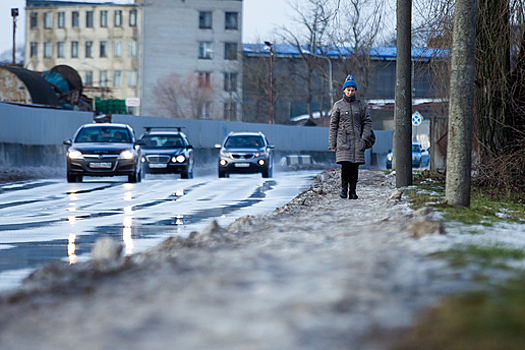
[385,53]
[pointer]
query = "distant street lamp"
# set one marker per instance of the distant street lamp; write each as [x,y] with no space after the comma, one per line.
[14,13]
[100,75]
[269,44]
[330,86]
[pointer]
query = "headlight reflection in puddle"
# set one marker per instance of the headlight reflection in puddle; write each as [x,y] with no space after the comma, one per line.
[126,235]
[71,249]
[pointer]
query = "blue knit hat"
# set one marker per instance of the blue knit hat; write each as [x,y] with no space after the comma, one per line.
[349,82]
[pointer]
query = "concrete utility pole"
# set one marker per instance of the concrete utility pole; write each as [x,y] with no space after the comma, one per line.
[269,44]
[461,105]
[403,111]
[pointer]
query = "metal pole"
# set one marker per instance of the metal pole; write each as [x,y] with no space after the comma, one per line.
[14,13]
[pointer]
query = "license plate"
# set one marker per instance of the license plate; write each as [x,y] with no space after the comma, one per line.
[158,165]
[242,165]
[100,165]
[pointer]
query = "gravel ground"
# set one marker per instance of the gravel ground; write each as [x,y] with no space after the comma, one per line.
[318,273]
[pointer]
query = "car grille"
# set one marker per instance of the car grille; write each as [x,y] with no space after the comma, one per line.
[158,159]
[242,156]
[104,157]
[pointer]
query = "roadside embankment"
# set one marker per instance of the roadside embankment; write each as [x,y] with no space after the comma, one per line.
[320,272]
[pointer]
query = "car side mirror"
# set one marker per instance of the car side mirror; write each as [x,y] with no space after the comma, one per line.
[140,143]
[68,142]
[271,146]
[218,146]
[189,146]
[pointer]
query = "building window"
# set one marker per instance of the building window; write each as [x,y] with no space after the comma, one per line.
[117,78]
[132,49]
[89,49]
[74,49]
[230,21]
[118,18]
[61,49]
[104,18]
[205,20]
[133,18]
[48,20]
[47,49]
[34,49]
[230,110]
[230,81]
[205,50]
[75,19]
[204,79]
[117,49]
[103,78]
[230,51]
[205,110]
[61,19]
[88,81]
[33,20]
[132,78]
[89,19]
[103,49]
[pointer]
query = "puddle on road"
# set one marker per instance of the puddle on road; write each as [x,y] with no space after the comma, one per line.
[33,254]
[24,186]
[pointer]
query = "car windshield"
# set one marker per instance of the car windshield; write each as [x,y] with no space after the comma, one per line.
[163,141]
[244,142]
[104,134]
[415,148]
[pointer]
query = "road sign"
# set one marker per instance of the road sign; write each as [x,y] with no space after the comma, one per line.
[417,118]
[132,102]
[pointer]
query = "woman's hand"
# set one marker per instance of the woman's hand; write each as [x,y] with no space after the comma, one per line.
[332,149]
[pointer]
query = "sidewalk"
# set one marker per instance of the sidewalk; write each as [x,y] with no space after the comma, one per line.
[318,273]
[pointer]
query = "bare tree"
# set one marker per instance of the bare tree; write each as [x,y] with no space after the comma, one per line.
[188,96]
[313,18]
[355,30]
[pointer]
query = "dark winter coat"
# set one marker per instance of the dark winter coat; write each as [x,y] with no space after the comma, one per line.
[350,130]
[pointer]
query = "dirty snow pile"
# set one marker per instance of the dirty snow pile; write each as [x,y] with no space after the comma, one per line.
[320,272]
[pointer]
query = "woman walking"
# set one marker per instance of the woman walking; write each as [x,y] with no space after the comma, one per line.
[350,134]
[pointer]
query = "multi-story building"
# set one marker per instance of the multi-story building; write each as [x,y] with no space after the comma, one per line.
[195,46]
[100,41]
[181,58]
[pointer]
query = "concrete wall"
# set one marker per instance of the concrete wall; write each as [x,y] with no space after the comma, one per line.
[34,136]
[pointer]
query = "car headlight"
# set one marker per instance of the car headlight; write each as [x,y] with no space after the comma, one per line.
[75,155]
[261,162]
[223,162]
[389,158]
[180,158]
[126,155]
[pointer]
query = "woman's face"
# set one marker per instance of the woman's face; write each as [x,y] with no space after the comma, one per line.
[349,91]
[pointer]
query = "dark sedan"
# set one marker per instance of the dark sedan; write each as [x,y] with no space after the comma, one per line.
[167,152]
[104,150]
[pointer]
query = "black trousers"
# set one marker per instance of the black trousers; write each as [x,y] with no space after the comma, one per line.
[349,172]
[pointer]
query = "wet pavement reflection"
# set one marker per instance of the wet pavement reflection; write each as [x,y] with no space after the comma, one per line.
[85,222]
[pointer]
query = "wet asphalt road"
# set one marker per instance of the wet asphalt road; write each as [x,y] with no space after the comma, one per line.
[44,220]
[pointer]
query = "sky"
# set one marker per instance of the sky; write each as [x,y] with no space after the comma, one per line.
[261,18]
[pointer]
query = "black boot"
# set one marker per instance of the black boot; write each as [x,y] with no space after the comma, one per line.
[344,189]
[352,195]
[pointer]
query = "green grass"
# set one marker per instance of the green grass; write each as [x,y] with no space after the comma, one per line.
[487,256]
[490,320]
[486,207]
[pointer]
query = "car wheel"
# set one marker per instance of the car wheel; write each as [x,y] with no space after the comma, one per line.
[267,173]
[223,174]
[74,178]
[133,178]
[187,174]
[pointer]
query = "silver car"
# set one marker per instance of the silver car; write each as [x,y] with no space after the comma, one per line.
[245,153]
